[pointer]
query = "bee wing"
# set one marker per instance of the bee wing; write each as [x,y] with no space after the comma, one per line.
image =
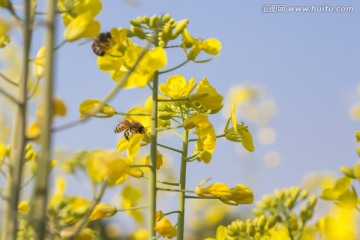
[86,41]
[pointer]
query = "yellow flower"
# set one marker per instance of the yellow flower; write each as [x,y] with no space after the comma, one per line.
[78,18]
[240,194]
[88,107]
[239,132]
[215,189]
[30,153]
[211,46]
[106,165]
[159,160]
[140,234]
[4,151]
[206,142]
[103,210]
[154,60]
[163,226]
[33,130]
[59,108]
[211,101]
[341,224]
[40,62]
[23,207]
[176,87]
[83,26]
[130,198]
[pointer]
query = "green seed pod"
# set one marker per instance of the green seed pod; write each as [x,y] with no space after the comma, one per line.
[139,32]
[312,201]
[154,20]
[166,18]
[180,26]
[349,172]
[166,32]
[135,23]
[250,229]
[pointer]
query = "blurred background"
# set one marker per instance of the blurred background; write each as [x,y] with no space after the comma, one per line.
[294,77]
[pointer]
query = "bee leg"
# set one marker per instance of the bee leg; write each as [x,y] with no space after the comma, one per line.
[126,134]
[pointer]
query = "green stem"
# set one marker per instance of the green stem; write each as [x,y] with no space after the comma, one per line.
[153,155]
[168,128]
[13,184]
[174,190]
[9,96]
[172,212]
[170,148]
[133,114]
[181,196]
[42,172]
[130,209]
[174,68]
[217,136]
[202,197]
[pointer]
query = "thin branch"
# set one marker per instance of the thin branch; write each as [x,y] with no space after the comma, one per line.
[217,136]
[174,68]
[174,46]
[174,190]
[130,209]
[9,96]
[170,148]
[133,114]
[9,80]
[168,128]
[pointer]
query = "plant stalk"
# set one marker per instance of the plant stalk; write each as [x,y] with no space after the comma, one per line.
[153,154]
[42,175]
[181,199]
[13,182]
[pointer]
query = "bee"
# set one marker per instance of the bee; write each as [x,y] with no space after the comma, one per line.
[132,127]
[102,43]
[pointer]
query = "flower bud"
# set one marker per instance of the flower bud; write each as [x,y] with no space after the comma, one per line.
[250,229]
[139,32]
[356,171]
[349,172]
[166,18]
[135,23]
[180,26]
[312,201]
[154,20]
